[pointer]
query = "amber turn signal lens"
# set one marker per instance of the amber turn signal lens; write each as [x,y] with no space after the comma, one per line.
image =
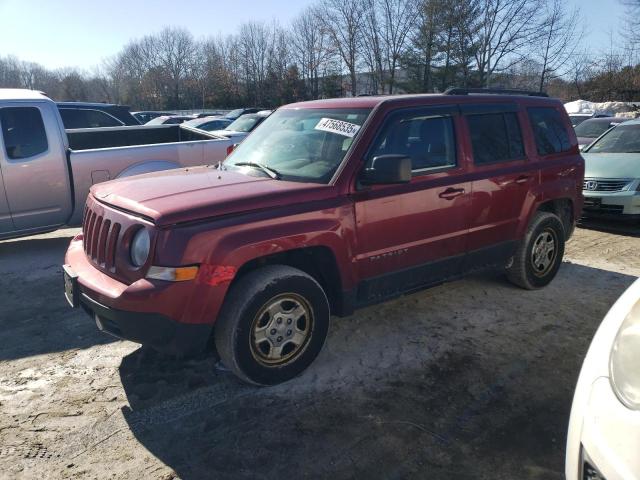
[173,274]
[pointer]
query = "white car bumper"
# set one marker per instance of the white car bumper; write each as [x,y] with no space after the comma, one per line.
[610,437]
[603,433]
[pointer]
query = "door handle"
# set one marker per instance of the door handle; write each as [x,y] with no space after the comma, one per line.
[451,193]
[522,179]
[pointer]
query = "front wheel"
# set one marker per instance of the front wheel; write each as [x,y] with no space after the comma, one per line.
[273,325]
[540,253]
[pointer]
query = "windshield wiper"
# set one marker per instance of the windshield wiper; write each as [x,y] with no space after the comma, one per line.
[273,173]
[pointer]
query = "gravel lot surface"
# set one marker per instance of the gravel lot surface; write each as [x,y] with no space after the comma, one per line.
[472,379]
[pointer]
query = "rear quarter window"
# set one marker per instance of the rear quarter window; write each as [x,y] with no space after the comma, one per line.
[549,130]
[23,132]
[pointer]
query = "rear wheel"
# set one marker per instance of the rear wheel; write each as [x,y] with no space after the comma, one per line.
[540,253]
[273,325]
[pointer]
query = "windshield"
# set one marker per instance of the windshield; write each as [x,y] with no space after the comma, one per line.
[304,145]
[592,128]
[235,113]
[622,139]
[245,123]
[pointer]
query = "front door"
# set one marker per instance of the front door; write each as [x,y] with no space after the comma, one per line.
[412,235]
[34,166]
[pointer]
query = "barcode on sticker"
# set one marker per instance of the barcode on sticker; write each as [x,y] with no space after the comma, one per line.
[337,126]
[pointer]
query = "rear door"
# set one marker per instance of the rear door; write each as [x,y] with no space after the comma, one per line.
[414,234]
[6,225]
[34,165]
[503,178]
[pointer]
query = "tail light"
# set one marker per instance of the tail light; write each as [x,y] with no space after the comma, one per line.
[231,148]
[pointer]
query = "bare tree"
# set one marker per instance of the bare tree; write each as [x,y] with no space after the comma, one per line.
[372,54]
[343,21]
[397,20]
[632,20]
[310,48]
[175,49]
[505,28]
[255,43]
[560,38]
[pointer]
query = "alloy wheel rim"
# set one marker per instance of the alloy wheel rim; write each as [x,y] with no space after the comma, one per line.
[281,329]
[544,252]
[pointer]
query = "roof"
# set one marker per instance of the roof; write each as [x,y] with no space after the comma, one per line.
[375,100]
[88,104]
[21,94]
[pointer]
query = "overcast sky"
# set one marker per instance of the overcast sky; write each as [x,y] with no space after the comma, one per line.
[60,33]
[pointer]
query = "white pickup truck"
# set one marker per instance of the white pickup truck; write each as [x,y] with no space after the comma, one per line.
[46,172]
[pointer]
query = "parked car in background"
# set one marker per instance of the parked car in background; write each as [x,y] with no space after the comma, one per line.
[144,117]
[169,120]
[243,126]
[94,115]
[328,206]
[592,128]
[603,442]
[578,118]
[612,173]
[46,172]
[208,124]
[234,114]
[209,114]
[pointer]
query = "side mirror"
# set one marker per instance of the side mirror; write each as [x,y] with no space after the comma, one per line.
[386,169]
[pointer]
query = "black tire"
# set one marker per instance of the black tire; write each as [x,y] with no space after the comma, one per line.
[522,271]
[235,328]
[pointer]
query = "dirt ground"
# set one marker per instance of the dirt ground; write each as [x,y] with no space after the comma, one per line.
[472,379]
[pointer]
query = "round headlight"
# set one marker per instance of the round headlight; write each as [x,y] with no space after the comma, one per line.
[624,363]
[140,246]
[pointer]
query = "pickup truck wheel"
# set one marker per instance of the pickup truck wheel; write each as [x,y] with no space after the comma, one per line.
[539,255]
[272,325]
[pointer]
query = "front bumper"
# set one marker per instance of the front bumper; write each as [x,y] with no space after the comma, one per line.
[153,329]
[172,317]
[610,437]
[624,204]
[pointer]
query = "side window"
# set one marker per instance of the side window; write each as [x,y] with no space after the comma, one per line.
[549,130]
[23,132]
[72,118]
[96,118]
[427,139]
[495,137]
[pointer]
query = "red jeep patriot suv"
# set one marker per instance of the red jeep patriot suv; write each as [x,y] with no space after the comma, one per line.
[328,206]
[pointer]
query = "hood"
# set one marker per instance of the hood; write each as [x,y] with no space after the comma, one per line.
[175,196]
[612,165]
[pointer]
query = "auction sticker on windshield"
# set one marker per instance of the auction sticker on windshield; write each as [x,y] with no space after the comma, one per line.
[338,126]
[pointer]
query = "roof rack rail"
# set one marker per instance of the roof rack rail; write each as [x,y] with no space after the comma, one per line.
[493,91]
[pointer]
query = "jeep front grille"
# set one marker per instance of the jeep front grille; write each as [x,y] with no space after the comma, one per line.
[100,238]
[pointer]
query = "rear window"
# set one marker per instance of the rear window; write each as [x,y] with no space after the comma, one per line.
[548,130]
[81,118]
[23,132]
[495,137]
